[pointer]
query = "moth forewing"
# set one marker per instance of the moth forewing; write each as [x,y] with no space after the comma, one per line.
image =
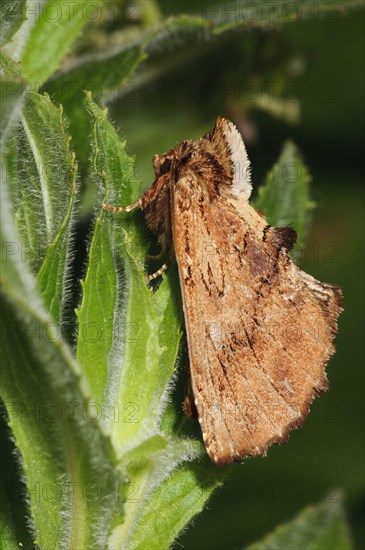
[255,360]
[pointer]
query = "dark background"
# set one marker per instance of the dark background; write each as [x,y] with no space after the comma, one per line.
[324,62]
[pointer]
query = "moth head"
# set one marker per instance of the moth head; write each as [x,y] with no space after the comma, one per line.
[162,164]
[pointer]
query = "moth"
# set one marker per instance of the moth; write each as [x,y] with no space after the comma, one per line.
[259,330]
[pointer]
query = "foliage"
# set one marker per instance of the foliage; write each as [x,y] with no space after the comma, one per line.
[320,527]
[103,456]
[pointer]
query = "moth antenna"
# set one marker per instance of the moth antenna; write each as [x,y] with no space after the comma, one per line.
[158,273]
[117,209]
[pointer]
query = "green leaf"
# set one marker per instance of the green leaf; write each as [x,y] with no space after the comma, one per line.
[12,13]
[171,506]
[8,538]
[14,515]
[128,318]
[321,527]
[12,89]
[51,29]
[285,197]
[143,452]
[67,461]
[100,74]
[103,73]
[12,92]
[52,277]
[42,177]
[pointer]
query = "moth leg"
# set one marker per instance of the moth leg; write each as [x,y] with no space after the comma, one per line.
[128,208]
[156,257]
[148,197]
[188,406]
[158,273]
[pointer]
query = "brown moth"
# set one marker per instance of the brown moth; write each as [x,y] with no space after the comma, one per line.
[259,329]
